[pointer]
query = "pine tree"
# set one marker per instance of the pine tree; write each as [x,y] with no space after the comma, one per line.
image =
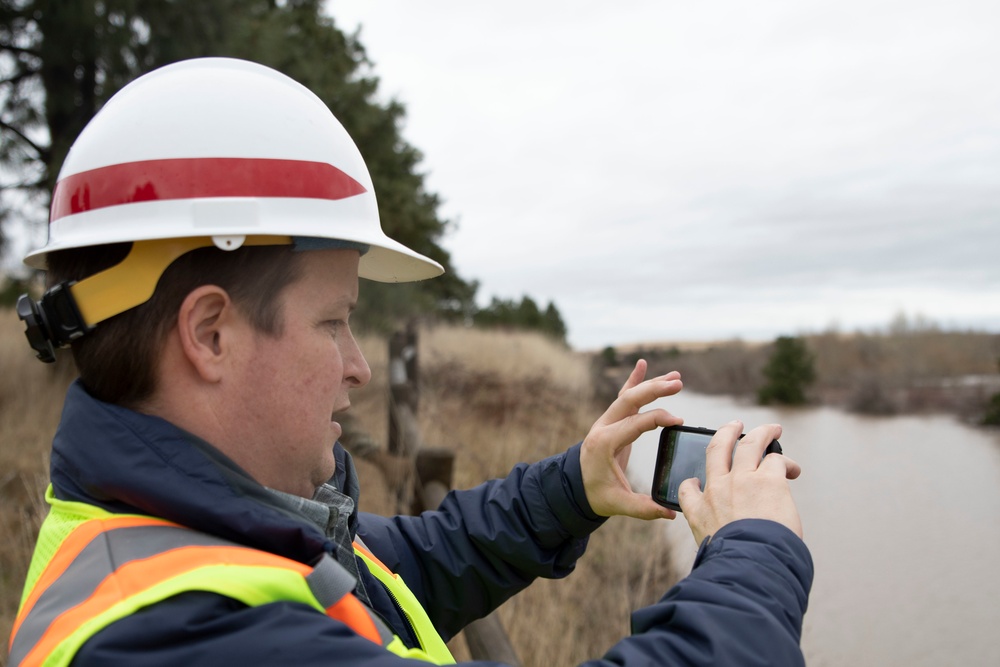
[61,60]
[992,415]
[789,372]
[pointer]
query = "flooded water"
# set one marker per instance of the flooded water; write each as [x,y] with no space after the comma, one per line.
[902,515]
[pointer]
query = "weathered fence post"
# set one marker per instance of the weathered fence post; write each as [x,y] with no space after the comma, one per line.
[485,637]
[404,393]
[404,433]
[434,475]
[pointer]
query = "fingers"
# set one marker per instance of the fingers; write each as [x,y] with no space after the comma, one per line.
[616,436]
[631,399]
[742,486]
[672,375]
[792,469]
[719,454]
[697,512]
[635,377]
[639,373]
[605,450]
[689,494]
[779,464]
[630,428]
[642,506]
[750,449]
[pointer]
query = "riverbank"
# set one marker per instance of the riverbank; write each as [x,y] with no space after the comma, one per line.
[903,370]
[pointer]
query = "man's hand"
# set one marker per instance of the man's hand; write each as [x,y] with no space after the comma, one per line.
[743,487]
[605,451]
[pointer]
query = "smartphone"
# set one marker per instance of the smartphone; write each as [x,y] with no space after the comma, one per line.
[681,456]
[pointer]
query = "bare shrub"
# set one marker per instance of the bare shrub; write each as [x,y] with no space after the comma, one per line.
[869,395]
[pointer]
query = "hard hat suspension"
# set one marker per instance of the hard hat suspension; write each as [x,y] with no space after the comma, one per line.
[72,309]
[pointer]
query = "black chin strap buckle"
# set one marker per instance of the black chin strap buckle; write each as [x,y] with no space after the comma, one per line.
[53,322]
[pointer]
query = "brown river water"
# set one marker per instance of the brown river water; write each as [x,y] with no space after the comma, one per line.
[902,516]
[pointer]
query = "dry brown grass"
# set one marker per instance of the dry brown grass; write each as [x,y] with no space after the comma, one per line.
[496,398]
[31,396]
[522,356]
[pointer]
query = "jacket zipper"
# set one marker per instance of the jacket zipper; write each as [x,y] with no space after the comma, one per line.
[406,616]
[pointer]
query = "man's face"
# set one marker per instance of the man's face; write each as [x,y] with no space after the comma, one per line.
[293,384]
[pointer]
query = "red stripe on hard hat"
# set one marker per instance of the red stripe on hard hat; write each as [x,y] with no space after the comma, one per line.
[188,178]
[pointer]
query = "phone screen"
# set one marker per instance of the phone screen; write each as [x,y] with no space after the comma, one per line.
[681,456]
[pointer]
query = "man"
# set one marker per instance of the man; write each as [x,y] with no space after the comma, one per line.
[206,238]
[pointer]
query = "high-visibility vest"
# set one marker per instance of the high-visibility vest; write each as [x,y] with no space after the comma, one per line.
[92,568]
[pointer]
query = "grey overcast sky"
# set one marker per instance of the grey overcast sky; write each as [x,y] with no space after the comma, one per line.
[669,170]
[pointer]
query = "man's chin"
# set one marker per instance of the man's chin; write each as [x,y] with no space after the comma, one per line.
[327,471]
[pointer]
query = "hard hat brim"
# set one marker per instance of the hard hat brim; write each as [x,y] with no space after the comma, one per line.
[387,261]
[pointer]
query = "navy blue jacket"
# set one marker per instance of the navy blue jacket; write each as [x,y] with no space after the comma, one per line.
[742,604]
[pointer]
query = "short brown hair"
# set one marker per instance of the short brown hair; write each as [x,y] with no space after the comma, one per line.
[117,360]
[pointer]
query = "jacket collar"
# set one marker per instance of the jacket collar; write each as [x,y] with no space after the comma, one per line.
[125,461]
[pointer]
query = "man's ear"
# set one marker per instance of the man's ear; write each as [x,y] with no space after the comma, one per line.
[205,327]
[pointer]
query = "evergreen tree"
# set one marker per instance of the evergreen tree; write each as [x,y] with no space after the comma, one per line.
[789,372]
[992,415]
[60,60]
[552,322]
[522,315]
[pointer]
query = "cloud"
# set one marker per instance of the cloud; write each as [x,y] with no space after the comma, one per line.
[733,167]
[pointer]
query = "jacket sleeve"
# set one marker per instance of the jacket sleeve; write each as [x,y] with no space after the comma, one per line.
[485,544]
[742,604]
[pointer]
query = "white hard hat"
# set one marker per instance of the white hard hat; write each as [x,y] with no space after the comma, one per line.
[211,151]
[223,149]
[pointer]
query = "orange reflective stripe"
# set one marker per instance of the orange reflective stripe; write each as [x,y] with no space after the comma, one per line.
[372,556]
[136,576]
[70,548]
[353,614]
[145,566]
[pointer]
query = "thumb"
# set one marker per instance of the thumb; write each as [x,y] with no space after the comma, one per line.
[641,506]
[689,495]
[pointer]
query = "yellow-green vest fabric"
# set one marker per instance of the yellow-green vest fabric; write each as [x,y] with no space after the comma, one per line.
[92,567]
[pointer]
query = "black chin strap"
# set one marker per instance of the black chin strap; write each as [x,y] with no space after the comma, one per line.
[52,322]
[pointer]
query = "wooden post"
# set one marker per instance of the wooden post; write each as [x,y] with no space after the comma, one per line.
[434,474]
[404,436]
[486,637]
[487,640]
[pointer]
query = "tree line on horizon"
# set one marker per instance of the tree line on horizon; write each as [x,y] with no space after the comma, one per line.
[61,60]
[912,365]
